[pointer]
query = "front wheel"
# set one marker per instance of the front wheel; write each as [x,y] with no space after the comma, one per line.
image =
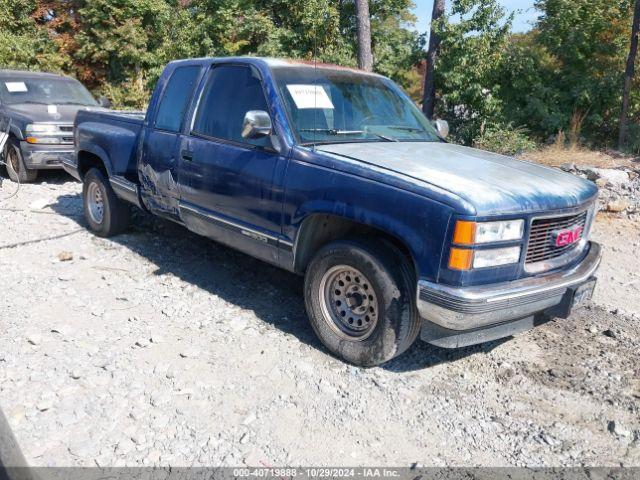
[16,168]
[360,300]
[105,213]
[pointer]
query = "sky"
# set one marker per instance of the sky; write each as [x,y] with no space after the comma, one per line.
[525,14]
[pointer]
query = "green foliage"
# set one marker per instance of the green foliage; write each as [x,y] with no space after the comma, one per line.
[566,74]
[589,41]
[474,40]
[22,44]
[505,140]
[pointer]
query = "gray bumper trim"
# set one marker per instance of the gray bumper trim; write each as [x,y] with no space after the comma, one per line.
[465,308]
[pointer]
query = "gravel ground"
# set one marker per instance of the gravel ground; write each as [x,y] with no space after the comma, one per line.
[159,347]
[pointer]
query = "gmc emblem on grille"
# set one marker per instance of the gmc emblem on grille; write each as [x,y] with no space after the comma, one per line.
[562,238]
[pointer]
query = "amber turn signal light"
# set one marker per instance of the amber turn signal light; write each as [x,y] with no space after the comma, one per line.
[464,233]
[460,259]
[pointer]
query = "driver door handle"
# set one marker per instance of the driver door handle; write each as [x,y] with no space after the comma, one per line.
[187,155]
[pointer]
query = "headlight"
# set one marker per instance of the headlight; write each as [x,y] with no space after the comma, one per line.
[496,257]
[471,233]
[41,128]
[477,233]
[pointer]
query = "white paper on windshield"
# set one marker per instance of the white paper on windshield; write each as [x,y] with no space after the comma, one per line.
[15,87]
[310,96]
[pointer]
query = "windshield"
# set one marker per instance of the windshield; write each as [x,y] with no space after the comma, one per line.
[46,90]
[339,106]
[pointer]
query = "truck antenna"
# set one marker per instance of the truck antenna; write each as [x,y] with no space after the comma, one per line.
[315,83]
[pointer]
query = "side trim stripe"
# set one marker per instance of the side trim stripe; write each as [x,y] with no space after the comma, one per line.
[238,228]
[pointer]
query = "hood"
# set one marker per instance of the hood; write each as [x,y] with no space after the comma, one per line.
[493,184]
[37,112]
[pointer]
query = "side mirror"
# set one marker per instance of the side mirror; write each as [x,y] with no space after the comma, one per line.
[104,102]
[442,128]
[257,123]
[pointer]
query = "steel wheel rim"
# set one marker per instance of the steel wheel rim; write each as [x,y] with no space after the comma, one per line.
[349,303]
[95,202]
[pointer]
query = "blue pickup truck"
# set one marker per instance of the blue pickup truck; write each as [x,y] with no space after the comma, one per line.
[336,175]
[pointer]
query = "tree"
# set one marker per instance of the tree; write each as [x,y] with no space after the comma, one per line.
[23,44]
[588,41]
[474,40]
[429,95]
[363,20]
[628,76]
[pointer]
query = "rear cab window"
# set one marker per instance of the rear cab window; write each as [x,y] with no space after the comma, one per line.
[176,98]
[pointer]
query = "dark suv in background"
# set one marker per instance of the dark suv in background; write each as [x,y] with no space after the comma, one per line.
[40,109]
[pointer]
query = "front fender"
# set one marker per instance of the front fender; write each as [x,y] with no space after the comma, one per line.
[419,223]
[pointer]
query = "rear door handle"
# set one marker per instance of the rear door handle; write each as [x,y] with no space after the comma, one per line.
[187,155]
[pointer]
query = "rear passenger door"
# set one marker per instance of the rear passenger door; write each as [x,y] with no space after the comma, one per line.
[231,187]
[158,168]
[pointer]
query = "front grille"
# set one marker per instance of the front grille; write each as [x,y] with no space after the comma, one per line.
[541,246]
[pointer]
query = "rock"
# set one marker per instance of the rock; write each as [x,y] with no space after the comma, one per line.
[34,338]
[568,167]
[138,438]
[591,173]
[75,374]
[249,419]
[618,429]
[142,342]
[44,404]
[609,333]
[614,177]
[65,256]
[617,205]
[189,353]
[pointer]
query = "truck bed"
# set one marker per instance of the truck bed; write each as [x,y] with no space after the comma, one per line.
[113,137]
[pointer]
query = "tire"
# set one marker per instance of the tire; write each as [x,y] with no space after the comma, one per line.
[105,213]
[375,278]
[16,169]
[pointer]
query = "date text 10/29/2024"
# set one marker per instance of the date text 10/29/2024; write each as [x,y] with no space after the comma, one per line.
[318,473]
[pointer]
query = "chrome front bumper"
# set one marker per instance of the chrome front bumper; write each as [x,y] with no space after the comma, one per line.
[469,308]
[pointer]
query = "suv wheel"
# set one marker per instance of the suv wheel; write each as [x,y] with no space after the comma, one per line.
[16,168]
[105,213]
[359,297]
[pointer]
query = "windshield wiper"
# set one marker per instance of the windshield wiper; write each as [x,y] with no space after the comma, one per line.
[334,131]
[405,127]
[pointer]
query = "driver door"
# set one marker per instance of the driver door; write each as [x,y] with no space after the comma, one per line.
[231,187]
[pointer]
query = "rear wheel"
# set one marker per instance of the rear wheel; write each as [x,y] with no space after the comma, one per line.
[105,213]
[16,169]
[360,300]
